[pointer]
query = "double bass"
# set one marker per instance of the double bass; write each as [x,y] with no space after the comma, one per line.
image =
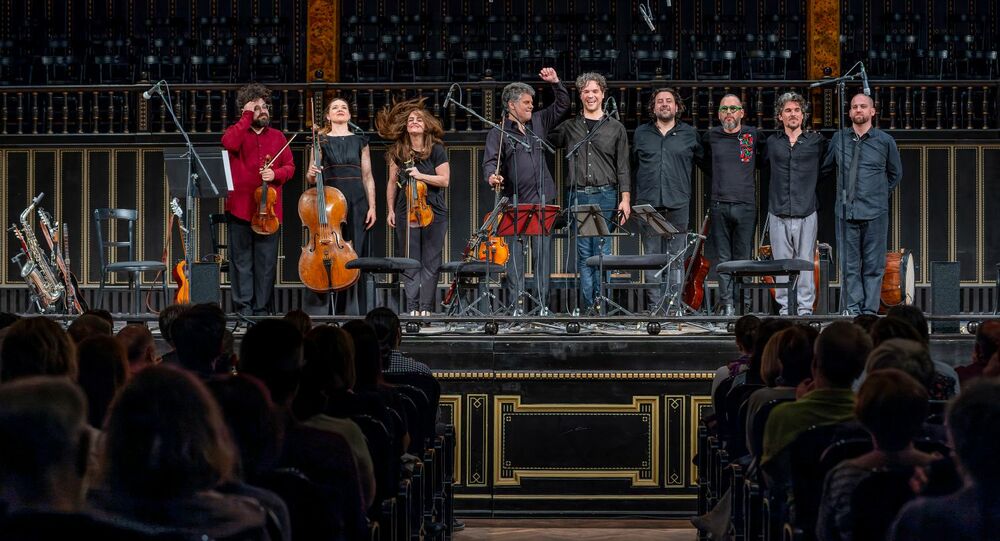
[325,253]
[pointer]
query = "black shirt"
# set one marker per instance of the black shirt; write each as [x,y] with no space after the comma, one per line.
[662,164]
[731,159]
[794,173]
[435,194]
[603,159]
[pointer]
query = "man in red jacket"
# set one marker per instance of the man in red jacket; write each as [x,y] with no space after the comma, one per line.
[253,258]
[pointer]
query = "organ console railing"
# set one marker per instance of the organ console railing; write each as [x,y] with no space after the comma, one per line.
[204,108]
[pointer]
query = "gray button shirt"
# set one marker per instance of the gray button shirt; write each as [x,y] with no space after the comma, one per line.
[603,159]
[663,164]
[877,173]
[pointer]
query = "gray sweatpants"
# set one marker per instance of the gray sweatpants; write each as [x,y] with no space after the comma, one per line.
[794,238]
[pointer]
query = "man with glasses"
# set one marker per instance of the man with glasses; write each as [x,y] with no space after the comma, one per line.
[869,165]
[663,155]
[253,258]
[794,156]
[733,153]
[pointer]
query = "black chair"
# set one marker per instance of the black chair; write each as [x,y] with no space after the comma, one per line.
[131,266]
[877,500]
[478,274]
[370,266]
[743,272]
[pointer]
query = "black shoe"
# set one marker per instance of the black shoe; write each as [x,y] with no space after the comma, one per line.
[457,525]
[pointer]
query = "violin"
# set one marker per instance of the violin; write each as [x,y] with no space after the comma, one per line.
[264,221]
[696,270]
[325,254]
[418,213]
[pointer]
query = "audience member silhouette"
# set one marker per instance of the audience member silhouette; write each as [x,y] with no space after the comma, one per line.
[37,346]
[103,370]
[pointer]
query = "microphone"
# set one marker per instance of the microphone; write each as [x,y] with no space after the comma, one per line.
[864,81]
[355,127]
[647,16]
[447,96]
[613,103]
[155,89]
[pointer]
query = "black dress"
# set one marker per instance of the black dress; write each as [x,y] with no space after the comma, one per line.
[341,159]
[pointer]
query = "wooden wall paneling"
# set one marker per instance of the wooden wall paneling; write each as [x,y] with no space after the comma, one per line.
[70,211]
[98,194]
[965,196]
[16,198]
[938,211]
[988,216]
[909,195]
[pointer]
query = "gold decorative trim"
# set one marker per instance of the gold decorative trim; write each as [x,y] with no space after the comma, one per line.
[673,479]
[520,375]
[591,496]
[455,401]
[506,406]
[477,402]
[697,401]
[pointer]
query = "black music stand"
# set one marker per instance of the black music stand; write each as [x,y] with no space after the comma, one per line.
[657,225]
[590,222]
[522,220]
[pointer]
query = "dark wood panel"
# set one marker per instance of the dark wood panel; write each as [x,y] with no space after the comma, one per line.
[15,200]
[991,202]
[154,210]
[966,215]
[938,211]
[72,212]
[98,196]
[907,194]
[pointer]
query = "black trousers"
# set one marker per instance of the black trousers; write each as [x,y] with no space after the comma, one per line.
[426,245]
[253,267]
[732,234]
[656,244]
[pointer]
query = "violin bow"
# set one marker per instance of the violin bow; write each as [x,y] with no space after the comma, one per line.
[270,163]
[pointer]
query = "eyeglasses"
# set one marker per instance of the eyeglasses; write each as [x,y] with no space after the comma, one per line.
[730,108]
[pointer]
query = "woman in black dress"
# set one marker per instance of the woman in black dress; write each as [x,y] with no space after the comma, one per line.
[347,166]
[417,153]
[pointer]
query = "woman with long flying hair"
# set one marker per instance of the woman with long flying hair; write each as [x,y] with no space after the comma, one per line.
[416,155]
[347,166]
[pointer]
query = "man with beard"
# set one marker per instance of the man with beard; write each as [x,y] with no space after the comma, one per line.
[598,171]
[795,158]
[253,258]
[869,169]
[524,175]
[733,152]
[663,154]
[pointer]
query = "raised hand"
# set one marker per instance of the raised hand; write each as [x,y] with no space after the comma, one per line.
[549,75]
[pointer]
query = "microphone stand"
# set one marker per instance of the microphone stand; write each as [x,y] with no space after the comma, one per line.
[543,306]
[193,186]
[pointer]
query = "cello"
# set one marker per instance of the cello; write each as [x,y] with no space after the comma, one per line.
[325,253]
[696,270]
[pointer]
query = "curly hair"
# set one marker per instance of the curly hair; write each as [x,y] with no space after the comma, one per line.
[252,92]
[390,123]
[651,106]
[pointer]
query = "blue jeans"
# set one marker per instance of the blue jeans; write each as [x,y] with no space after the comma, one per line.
[607,198]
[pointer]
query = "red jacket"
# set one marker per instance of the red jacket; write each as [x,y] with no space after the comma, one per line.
[247,150]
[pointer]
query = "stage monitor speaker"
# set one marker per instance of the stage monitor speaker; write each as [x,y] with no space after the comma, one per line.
[205,283]
[945,295]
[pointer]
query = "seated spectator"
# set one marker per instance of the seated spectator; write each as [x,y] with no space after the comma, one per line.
[390,336]
[198,333]
[272,352]
[974,511]
[42,476]
[103,371]
[101,313]
[865,321]
[826,398]
[88,325]
[37,346]
[987,343]
[301,320]
[329,374]
[166,452]
[6,320]
[945,372]
[250,417]
[140,348]
[909,356]
[892,407]
[743,331]
[786,362]
[166,320]
[944,383]
[377,398]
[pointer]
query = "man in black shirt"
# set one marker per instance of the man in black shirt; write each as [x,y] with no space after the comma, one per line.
[871,169]
[598,171]
[523,174]
[795,158]
[663,155]
[733,153]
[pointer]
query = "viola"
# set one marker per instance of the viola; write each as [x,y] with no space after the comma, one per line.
[265,221]
[325,254]
[419,213]
[696,270]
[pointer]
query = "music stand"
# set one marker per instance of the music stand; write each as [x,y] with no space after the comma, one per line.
[658,225]
[590,222]
[518,221]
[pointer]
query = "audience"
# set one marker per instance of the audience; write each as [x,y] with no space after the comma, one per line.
[944,383]
[140,348]
[88,325]
[744,331]
[390,336]
[166,452]
[865,321]
[37,346]
[974,511]
[301,320]
[907,355]
[198,333]
[43,477]
[987,343]
[891,406]
[103,370]
[166,320]
[6,320]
